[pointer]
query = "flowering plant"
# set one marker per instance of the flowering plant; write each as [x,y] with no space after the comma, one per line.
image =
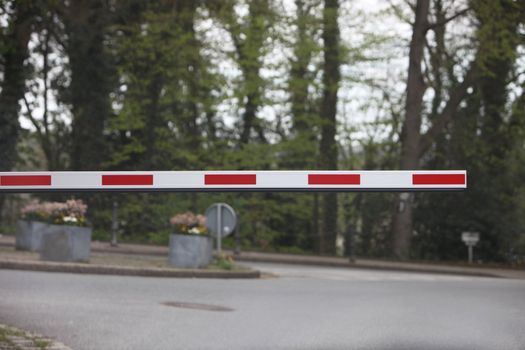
[71,212]
[190,223]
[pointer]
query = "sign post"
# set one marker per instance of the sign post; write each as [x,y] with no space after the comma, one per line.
[470,239]
[114,224]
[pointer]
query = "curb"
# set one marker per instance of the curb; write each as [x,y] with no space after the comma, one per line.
[123,271]
[315,261]
[431,270]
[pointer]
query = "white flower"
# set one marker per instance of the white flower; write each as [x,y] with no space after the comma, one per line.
[70,219]
[194,230]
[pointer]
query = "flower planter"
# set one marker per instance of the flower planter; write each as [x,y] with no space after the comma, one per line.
[190,251]
[29,234]
[66,243]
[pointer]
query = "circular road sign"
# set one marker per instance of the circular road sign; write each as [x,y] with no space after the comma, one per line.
[220,217]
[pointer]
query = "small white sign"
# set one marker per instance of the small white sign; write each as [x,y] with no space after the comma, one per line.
[470,238]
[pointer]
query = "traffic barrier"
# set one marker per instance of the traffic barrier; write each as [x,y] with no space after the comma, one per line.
[203,181]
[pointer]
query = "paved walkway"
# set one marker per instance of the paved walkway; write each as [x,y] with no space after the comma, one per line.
[145,250]
[330,261]
[384,265]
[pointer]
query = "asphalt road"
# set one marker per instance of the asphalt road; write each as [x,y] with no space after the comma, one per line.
[305,308]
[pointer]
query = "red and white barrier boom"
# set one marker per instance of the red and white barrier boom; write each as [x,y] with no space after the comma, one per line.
[303,180]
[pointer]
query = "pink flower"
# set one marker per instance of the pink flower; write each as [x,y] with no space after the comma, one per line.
[188,219]
[55,211]
[201,219]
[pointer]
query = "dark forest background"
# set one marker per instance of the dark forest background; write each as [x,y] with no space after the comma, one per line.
[265,84]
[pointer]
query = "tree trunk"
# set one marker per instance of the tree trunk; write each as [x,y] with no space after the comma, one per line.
[249,51]
[299,82]
[154,122]
[13,84]
[318,237]
[302,147]
[193,66]
[328,144]
[249,116]
[85,23]
[411,132]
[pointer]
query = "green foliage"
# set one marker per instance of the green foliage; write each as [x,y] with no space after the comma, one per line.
[486,139]
[159,238]
[224,262]
[101,235]
[497,30]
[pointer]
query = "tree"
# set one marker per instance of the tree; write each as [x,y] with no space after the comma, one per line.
[14,52]
[301,146]
[51,129]
[413,144]
[86,23]
[249,40]
[165,100]
[484,137]
[328,112]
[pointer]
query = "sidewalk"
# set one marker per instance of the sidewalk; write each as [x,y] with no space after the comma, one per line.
[384,265]
[149,250]
[330,261]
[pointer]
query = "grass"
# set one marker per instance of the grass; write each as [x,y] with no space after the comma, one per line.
[224,262]
[41,343]
[6,333]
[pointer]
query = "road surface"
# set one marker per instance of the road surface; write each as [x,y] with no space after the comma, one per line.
[304,308]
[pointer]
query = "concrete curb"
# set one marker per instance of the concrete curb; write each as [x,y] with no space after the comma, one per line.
[326,262]
[377,267]
[123,271]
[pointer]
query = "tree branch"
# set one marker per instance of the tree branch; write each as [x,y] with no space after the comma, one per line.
[448,19]
[399,12]
[30,117]
[443,118]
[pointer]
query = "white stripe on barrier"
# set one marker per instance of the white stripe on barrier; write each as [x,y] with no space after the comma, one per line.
[301,180]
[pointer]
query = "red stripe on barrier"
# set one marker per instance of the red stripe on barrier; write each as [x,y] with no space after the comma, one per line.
[127,180]
[230,179]
[25,180]
[438,179]
[334,179]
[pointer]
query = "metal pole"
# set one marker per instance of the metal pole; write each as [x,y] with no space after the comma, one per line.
[470,253]
[114,225]
[219,227]
[349,243]
[237,248]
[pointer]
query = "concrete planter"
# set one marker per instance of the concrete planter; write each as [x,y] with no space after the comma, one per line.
[66,243]
[29,234]
[190,251]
